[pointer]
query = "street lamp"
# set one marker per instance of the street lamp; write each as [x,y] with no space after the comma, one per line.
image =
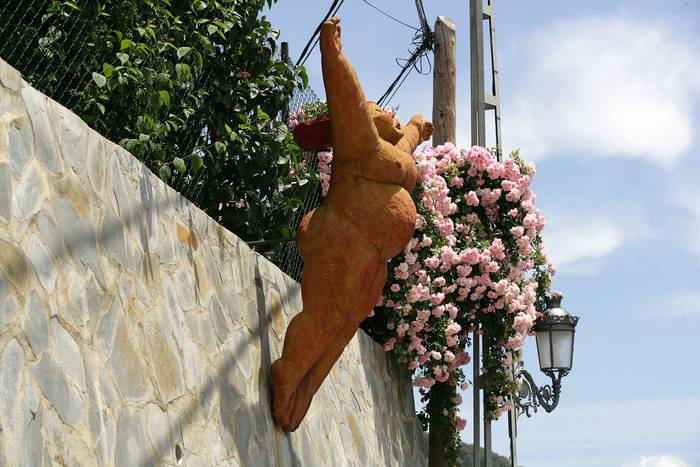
[555,348]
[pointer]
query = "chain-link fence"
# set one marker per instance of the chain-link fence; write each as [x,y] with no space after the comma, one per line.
[44,48]
[57,46]
[289,260]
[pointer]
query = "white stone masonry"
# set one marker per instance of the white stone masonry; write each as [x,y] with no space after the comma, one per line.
[136,331]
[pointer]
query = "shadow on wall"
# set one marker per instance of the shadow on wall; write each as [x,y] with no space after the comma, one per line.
[67,234]
[240,419]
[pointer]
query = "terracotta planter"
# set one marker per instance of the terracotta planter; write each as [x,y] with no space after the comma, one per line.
[314,135]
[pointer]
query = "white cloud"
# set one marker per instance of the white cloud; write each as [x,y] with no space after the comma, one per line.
[661,460]
[573,240]
[606,87]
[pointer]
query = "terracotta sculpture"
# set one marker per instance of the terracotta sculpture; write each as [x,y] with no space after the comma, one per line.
[367,217]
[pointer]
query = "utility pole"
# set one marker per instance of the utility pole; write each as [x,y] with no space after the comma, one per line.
[445,82]
[444,131]
[481,101]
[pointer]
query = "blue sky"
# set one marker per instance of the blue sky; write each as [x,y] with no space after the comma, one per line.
[605,97]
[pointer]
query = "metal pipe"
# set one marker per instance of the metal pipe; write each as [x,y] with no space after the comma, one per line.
[476,387]
[487,420]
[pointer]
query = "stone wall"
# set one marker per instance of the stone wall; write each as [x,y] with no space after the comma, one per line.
[136,331]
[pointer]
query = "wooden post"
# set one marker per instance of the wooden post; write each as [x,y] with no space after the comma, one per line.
[444,131]
[445,82]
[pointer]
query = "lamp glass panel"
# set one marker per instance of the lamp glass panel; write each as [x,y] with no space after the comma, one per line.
[544,350]
[562,346]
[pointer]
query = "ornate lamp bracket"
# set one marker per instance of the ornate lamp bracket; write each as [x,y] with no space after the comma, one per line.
[529,397]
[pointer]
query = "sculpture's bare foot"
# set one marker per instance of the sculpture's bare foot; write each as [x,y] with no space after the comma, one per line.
[283,393]
[302,402]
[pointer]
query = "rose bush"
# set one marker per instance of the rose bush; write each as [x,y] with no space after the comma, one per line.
[475,264]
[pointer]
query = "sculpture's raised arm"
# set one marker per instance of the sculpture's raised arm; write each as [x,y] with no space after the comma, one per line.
[415,132]
[352,131]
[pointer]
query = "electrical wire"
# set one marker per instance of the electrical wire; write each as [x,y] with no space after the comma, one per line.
[311,44]
[389,16]
[421,46]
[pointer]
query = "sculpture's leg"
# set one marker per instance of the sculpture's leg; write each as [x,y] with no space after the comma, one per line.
[334,287]
[317,374]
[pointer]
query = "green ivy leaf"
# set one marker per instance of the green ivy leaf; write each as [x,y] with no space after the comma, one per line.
[164,172]
[165,97]
[123,58]
[183,51]
[196,163]
[220,147]
[180,165]
[125,44]
[99,79]
[260,113]
[183,71]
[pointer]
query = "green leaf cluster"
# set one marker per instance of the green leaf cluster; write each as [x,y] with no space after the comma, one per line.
[194,88]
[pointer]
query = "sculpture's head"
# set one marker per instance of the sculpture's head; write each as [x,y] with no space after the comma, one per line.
[388,127]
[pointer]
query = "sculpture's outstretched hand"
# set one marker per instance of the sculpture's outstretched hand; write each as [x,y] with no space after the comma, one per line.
[425,128]
[330,36]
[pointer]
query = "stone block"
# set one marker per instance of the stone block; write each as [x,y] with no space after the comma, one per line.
[72,135]
[113,240]
[36,323]
[79,236]
[66,445]
[50,233]
[96,419]
[128,368]
[194,363]
[200,328]
[20,140]
[9,77]
[46,147]
[121,193]
[32,449]
[158,428]
[43,263]
[62,396]
[96,165]
[11,368]
[8,308]
[28,195]
[68,354]
[93,303]
[164,358]
[220,324]
[132,448]
[5,192]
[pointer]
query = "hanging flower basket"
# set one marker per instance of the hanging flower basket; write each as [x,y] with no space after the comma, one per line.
[314,134]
